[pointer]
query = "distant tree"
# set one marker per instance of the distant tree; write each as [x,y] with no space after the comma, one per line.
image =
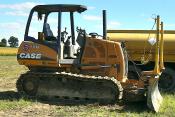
[4,42]
[13,41]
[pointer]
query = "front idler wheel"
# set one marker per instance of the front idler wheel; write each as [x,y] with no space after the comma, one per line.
[30,86]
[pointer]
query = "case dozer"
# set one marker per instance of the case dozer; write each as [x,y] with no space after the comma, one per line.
[74,65]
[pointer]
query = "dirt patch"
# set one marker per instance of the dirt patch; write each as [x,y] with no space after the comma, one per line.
[35,110]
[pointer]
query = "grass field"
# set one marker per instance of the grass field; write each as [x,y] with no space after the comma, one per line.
[7,51]
[11,104]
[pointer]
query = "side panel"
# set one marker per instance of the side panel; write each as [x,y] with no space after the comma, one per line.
[34,54]
[116,58]
[94,52]
[103,58]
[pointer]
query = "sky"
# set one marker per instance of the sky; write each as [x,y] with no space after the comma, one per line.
[121,14]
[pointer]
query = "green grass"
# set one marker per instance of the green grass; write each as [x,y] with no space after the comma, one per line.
[168,106]
[14,104]
[9,67]
[10,71]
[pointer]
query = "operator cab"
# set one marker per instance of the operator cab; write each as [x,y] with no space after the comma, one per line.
[50,31]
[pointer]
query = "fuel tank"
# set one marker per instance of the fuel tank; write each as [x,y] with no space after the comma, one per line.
[136,42]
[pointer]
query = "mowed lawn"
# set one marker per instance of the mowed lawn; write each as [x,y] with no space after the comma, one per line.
[11,104]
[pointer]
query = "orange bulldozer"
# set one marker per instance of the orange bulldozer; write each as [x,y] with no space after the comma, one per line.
[74,65]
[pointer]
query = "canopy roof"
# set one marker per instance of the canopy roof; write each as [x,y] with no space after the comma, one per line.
[43,9]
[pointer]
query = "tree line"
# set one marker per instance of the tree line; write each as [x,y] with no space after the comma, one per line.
[12,41]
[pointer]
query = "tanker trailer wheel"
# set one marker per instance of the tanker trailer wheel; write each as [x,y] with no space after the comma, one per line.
[133,72]
[167,80]
[30,86]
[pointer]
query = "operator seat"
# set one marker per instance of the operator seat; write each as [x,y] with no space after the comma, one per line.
[81,42]
[48,33]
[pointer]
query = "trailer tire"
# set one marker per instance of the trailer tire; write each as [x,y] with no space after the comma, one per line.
[133,72]
[167,80]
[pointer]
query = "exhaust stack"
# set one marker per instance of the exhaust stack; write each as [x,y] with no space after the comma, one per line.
[104,25]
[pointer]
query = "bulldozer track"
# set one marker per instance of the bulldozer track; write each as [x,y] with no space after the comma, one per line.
[94,88]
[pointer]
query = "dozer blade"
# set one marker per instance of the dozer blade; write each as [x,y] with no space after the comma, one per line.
[154,98]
